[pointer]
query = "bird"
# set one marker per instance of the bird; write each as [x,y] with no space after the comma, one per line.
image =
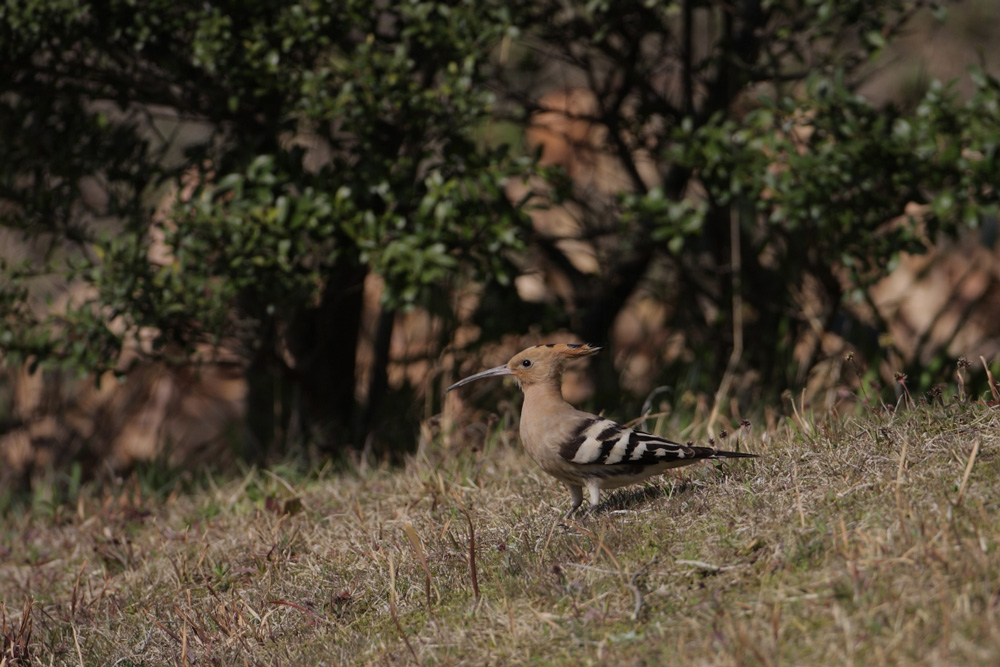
[580,449]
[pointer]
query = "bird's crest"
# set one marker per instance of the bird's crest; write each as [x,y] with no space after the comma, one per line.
[570,350]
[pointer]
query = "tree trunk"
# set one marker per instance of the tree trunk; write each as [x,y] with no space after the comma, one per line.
[323,342]
[379,382]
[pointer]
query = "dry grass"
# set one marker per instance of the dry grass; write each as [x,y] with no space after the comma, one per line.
[871,539]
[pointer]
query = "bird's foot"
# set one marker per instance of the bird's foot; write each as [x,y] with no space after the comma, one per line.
[581,515]
[567,519]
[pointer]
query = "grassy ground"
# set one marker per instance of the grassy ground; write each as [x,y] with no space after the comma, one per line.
[865,540]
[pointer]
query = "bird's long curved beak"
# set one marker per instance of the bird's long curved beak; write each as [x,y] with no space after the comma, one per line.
[499,370]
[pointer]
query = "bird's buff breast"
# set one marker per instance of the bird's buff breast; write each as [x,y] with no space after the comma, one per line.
[541,439]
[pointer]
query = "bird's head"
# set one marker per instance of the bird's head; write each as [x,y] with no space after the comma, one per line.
[538,364]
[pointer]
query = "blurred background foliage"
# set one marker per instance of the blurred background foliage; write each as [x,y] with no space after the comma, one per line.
[331,209]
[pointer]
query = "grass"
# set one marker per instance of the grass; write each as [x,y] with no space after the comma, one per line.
[866,539]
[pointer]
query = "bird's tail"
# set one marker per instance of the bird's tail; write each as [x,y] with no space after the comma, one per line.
[720,454]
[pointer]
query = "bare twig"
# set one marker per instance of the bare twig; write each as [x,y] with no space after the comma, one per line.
[707,567]
[798,494]
[636,592]
[472,555]
[899,481]
[14,642]
[590,568]
[76,643]
[861,379]
[963,363]
[647,406]
[968,471]
[418,549]
[76,590]
[991,381]
[737,353]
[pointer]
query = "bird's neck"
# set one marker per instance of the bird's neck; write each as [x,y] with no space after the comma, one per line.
[543,396]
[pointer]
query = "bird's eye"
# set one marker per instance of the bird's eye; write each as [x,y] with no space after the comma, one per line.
[526,363]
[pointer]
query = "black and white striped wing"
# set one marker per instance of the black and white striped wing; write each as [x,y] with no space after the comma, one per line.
[599,441]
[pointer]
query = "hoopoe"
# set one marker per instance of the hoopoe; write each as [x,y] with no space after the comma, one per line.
[582,450]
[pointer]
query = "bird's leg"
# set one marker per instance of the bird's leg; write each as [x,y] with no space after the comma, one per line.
[595,496]
[577,494]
